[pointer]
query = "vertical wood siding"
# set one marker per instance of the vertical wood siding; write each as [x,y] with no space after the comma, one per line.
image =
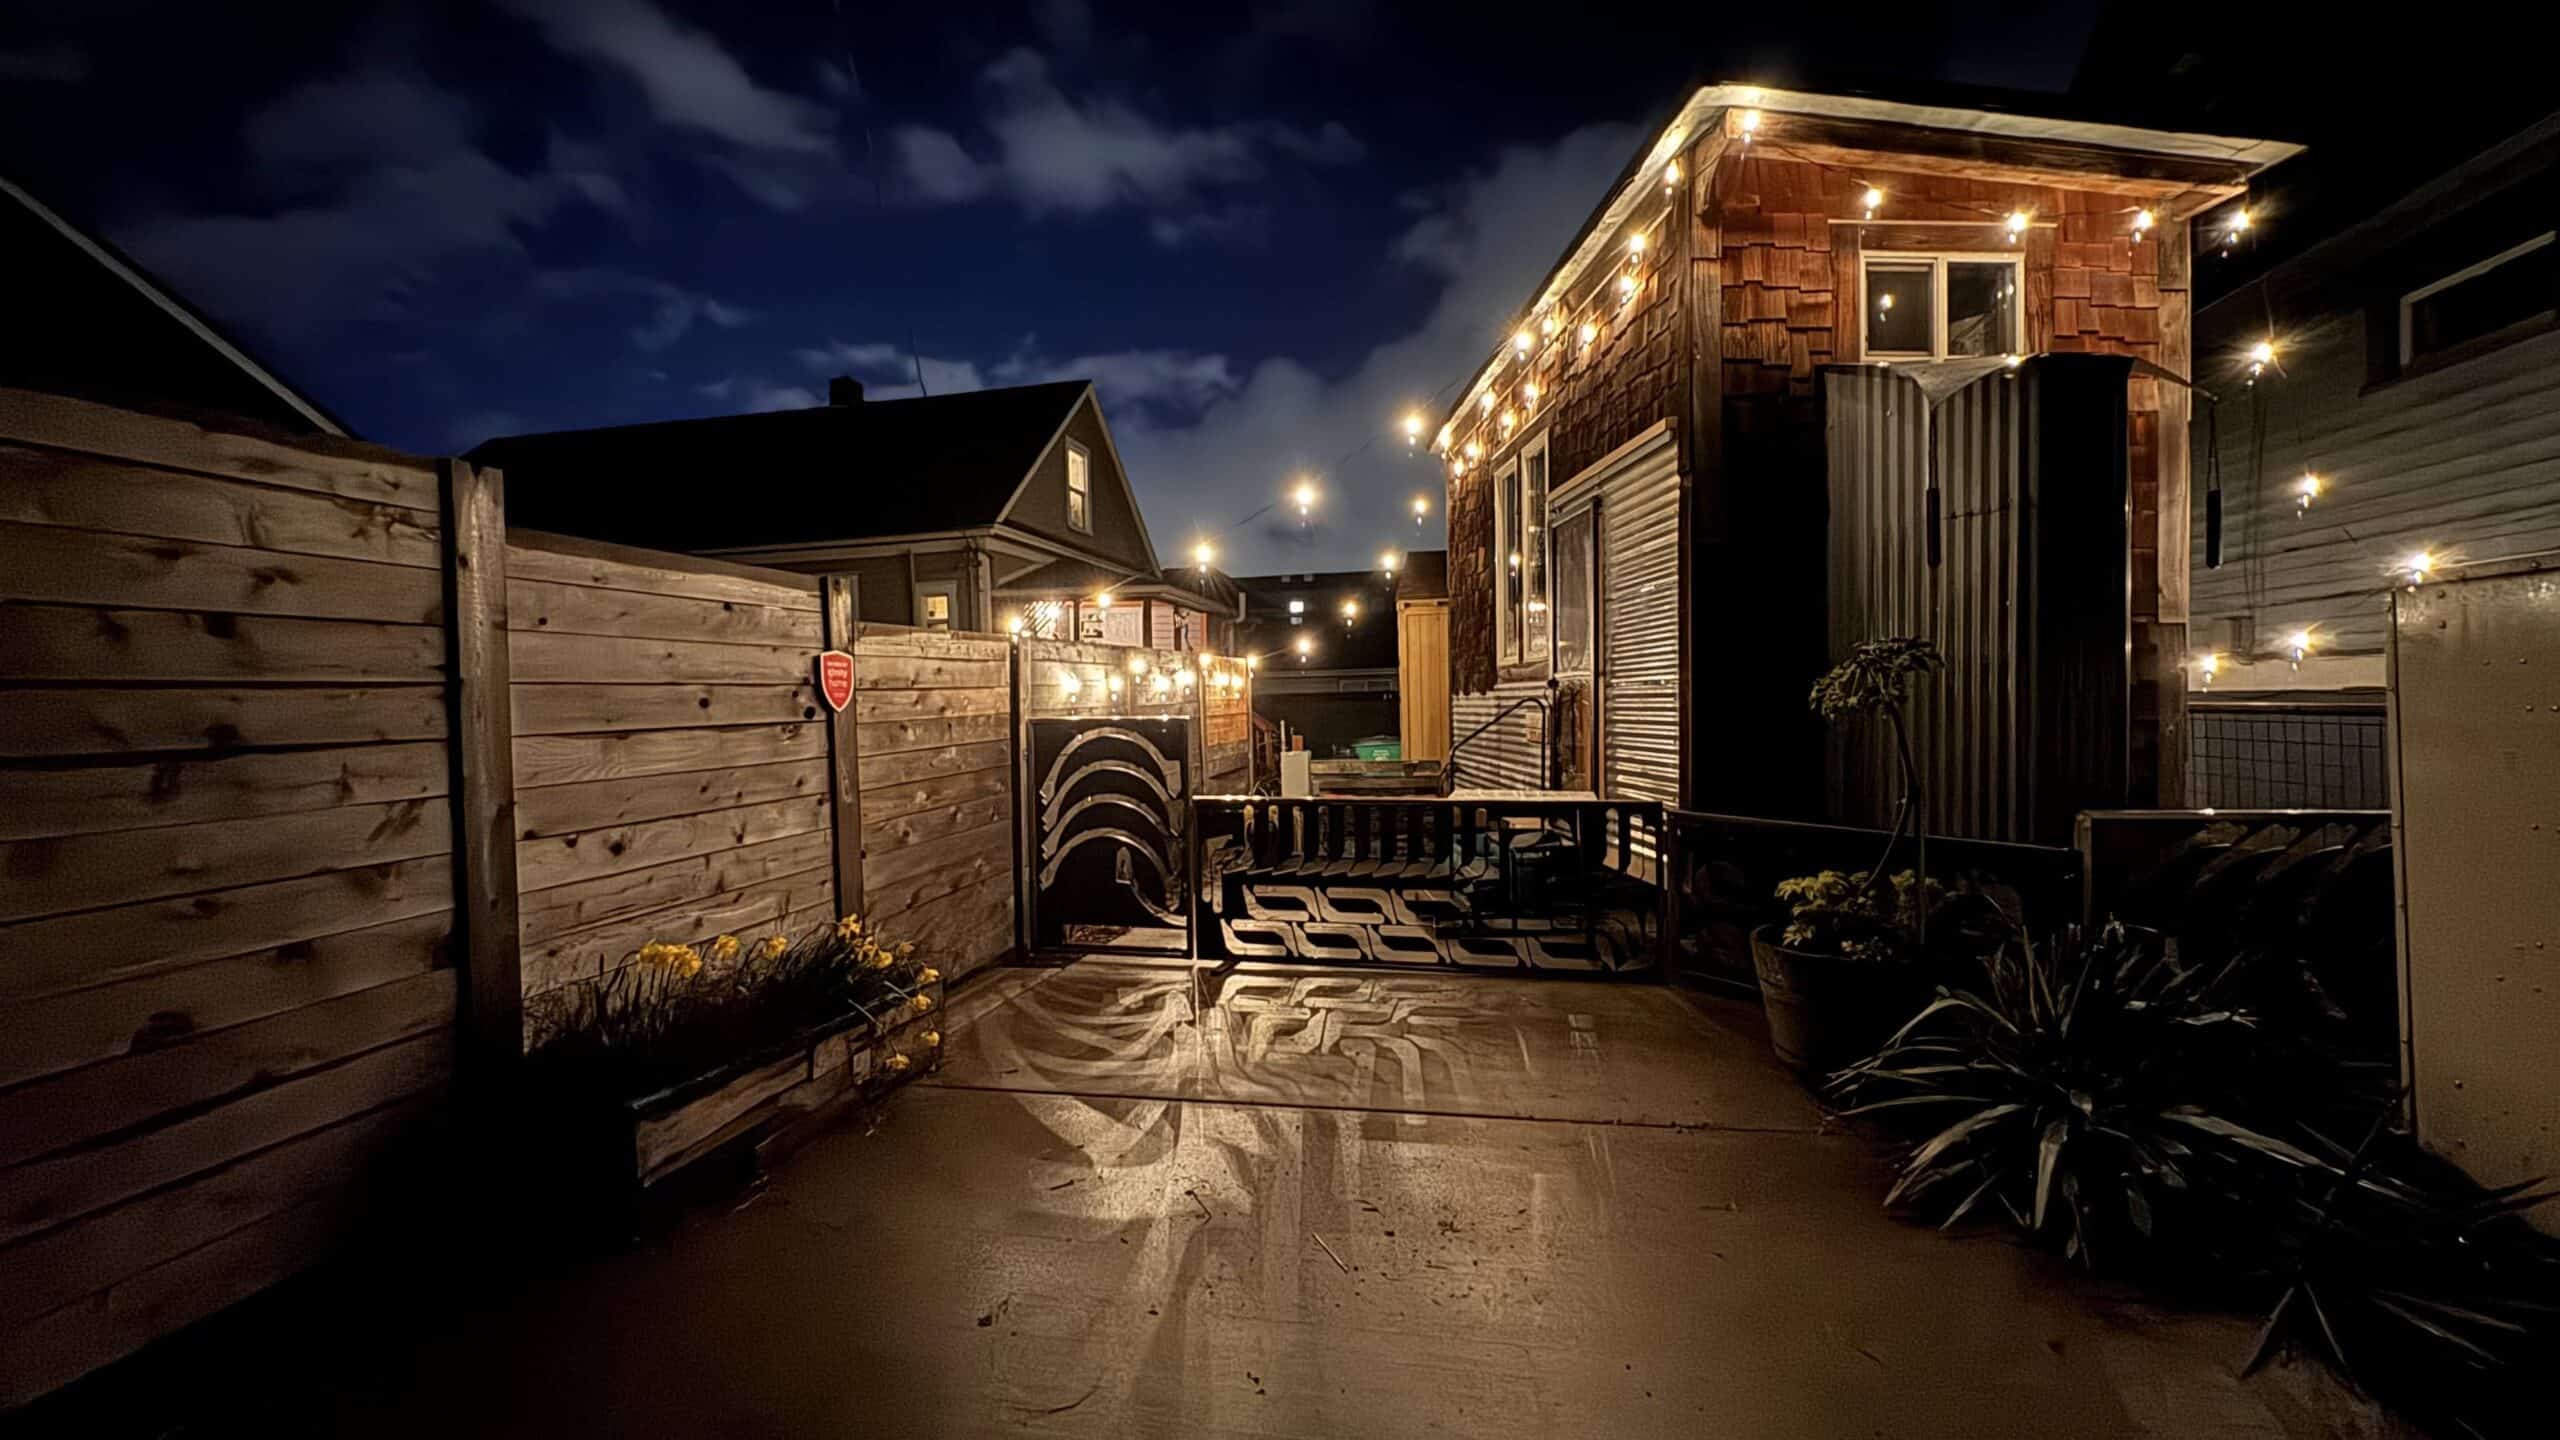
[226,988]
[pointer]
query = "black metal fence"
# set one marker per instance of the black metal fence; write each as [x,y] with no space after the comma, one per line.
[1523,882]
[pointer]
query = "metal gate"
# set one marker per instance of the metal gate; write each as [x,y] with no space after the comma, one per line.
[1109,800]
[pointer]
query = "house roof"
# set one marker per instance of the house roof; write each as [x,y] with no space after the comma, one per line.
[2198,166]
[862,470]
[86,319]
[1070,577]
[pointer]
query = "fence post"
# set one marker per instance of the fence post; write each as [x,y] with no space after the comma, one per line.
[844,742]
[482,754]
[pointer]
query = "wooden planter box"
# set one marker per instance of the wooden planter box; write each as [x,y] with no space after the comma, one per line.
[779,1095]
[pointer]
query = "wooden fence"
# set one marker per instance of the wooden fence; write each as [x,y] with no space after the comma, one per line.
[226,818]
[670,753]
[935,741]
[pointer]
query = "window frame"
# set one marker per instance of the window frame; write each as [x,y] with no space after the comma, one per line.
[1937,261]
[1079,489]
[2411,299]
[949,590]
[1506,630]
[1535,561]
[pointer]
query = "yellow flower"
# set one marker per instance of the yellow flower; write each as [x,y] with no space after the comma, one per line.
[772,946]
[896,1064]
[932,1039]
[849,928]
[928,975]
[876,959]
[678,960]
[724,948]
[924,1002]
[906,948]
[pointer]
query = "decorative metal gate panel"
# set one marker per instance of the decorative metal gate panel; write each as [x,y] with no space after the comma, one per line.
[1107,800]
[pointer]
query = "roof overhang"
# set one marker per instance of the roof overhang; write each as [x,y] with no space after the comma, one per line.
[2177,172]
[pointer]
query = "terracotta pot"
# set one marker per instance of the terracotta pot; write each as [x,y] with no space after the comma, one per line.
[1826,1011]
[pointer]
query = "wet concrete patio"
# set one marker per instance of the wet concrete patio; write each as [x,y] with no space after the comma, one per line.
[1326,1205]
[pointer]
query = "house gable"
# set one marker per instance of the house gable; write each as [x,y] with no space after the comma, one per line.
[1039,507]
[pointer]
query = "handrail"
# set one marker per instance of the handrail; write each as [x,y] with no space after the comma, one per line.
[1546,715]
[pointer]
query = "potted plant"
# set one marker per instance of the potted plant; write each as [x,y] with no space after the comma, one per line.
[686,1050]
[1839,975]
[1842,972]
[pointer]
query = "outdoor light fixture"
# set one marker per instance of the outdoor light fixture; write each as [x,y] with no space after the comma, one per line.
[1350,611]
[1387,561]
[1874,201]
[1626,287]
[2299,642]
[1305,648]
[1069,684]
[2261,355]
[2305,490]
[2017,225]
[2141,224]
[1013,625]
[1474,450]
[1297,607]
[1529,393]
[1521,342]
[1670,175]
[2208,665]
[1590,332]
[2418,565]
[1548,326]
[1421,507]
[1202,554]
[1635,243]
[1103,600]
[1412,427]
[2238,227]
[1305,496]
[1750,125]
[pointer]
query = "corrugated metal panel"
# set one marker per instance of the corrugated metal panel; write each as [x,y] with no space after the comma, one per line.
[1506,756]
[1970,735]
[1640,625]
[2463,462]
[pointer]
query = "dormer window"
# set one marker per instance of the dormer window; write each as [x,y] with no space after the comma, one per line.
[1079,489]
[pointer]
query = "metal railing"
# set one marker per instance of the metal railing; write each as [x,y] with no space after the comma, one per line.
[1546,726]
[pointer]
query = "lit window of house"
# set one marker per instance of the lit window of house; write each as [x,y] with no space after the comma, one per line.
[1936,307]
[1520,491]
[1079,488]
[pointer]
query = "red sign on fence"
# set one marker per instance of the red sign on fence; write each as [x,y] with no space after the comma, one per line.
[835,678]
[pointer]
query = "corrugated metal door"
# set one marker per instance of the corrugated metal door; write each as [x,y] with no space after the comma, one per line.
[1640,625]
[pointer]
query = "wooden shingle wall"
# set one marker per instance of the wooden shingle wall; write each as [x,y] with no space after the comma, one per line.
[670,758]
[935,713]
[226,984]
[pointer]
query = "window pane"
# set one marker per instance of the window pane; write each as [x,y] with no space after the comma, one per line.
[1898,307]
[1510,562]
[2495,298]
[1982,307]
[1573,592]
[1533,556]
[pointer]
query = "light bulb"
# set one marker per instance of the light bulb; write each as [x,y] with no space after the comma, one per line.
[1102,601]
[1626,288]
[1013,624]
[1474,450]
[1412,427]
[1202,554]
[1589,333]
[2306,490]
[1529,393]
[1305,495]
[1670,174]
[1521,342]
[1421,507]
[2418,565]
[2017,224]
[2208,665]
[1484,403]
[1508,420]
[1548,325]
[2141,223]
[1387,561]
[1750,125]
[1874,199]
[1635,243]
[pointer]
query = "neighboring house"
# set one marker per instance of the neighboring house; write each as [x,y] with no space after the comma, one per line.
[2418,379]
[968,511]
[1326,646]
[1822,368]
[84,320]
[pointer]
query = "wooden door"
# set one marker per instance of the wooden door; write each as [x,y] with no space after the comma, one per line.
[1422,680]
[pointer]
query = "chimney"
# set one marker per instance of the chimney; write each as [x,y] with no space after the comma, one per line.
[844,390]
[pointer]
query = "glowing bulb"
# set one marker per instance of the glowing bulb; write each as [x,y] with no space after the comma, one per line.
[2306,490]
[1305,495]
[1115,685]
[2239,223]
[1484,403]
[1203,553]
[1253,662]
[1635,243]
[1626,288]
[1549,325]
[1474,450]
[1305,647]
[2299,642]
[1350,610]
[1750,125]
[1521,342]
[2418,565]
[1421,506]
[1387,561]
[1508,420]
[1102,601]
[1457,470]
[2016,360]
[1529,393]
[2208,665]
[2141,223]
[1589,333]
[1068,684]
[1885,301]
[2017,225]
[1184,677]
[1515,559]
[1874,200]
[1137,664]
[1670,174]
[1412,428]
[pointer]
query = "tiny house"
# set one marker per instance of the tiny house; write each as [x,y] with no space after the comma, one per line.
[1823,368]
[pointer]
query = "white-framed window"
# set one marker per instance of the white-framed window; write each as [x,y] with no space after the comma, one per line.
[934,602]
[2516,284]
[1079,488]
[1934,306]
[1520,508]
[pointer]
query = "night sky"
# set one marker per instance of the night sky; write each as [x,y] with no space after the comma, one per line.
[1264,231]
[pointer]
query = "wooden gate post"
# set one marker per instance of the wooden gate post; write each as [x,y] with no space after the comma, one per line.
[482,752]
[842,594]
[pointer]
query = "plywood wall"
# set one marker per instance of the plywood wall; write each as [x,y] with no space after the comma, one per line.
[935,713]
[670,758]
[226,988]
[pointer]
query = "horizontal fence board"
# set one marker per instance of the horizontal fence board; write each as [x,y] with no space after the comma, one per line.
[39,1195]
[530,562]
[40,957]
[891,736]
[80,872]
[564,759]
[904,879]
[565,809]
[80,1027]
[316,464]
[83,567]
[67,642]
[548,914]
[926,672]
[565,860]
[75,800]
[749,912]
[878,639]
[959,932]
[941,822]
[557,609]
[890,802]
[82,492]
[53,1270]
[872,707]
[583,709]
[536,658]
[127,1093]
[906,767]
[59,722]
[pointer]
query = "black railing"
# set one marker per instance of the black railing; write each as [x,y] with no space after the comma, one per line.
[1546,726]
[1517,884]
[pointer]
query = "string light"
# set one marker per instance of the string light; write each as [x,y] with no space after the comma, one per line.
[1387,561]
[2261,355]
[2017,224]
[1137,664]
[1626,287]
[1474,450]
[2418,565]
[1635,244]
[1515,559]
[1306,498]
[1115,685]
[1421,507]
[1203,553]
[2238,227]
[1670,176]
[1528,394]
[1509,419]
[1069,684]
[1522,343]
[1549,326]
[2141,225]
[1013,625]
[2208,665]
[2305,490]
[2299,643]
[1589,333]
[1750,125]
[1305,647]
[1412,428]
[1874,199]
[1102,601]
[1484,406]
[1253,662]
[1350,612]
